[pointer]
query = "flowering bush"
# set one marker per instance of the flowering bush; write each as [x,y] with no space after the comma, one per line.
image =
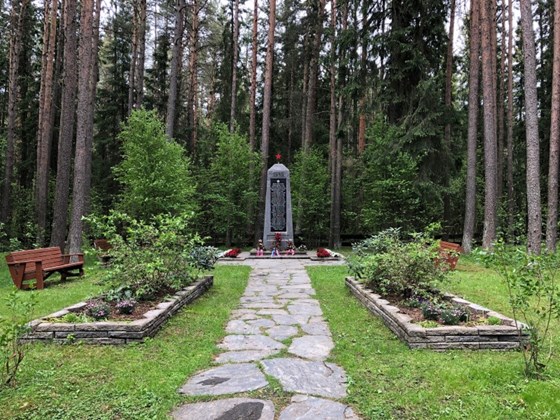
[453,316]
[126,306]
[323,253]
[232,253]
[97,309]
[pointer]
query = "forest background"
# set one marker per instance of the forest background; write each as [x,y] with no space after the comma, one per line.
[382,120]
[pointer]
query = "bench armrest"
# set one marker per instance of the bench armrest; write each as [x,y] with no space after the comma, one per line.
[66,257]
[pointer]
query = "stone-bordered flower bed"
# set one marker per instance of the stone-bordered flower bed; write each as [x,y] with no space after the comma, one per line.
[114,332]
[495,337]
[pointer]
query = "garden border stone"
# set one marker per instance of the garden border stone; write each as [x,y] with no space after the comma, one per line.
[480,337]
[113,332]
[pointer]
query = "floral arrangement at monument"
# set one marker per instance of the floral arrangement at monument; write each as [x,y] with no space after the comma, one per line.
[323,253]
[232,253]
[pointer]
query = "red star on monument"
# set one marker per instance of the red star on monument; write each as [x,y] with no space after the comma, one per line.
[278,157]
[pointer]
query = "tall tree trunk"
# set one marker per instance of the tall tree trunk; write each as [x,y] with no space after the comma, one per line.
[46,111]
[267,99]
[17,16]
[500,105]
[364,80]
[552,219]
[136,86]
[304,96]
[490,147]
[235,55]
[67,120]
[175,68]
[193,82]
[474,77]
[86,84]
[252,100]
[531,131]
[313,76]
[334,236]
[511,191]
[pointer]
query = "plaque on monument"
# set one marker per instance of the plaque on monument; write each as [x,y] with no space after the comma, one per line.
[278,208]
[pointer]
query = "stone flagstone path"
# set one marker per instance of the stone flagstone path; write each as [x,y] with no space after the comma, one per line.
[277,313]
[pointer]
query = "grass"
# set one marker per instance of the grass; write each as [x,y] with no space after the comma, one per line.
[125,382]
[388,380]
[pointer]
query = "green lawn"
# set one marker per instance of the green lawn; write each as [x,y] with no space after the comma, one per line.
[126,382]
[387,380]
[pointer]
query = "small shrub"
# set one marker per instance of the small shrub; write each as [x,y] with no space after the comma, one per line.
[392,266]
[429,324]
[205,257]
[430,311]
[126,306]
[492,320]
[453,315]
[97,309]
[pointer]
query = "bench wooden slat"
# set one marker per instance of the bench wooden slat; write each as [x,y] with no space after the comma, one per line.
[41,263]
[449,252]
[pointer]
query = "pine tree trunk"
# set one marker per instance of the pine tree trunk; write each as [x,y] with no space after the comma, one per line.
[511,191]
[364,81]
[490,147]
[193,82]
[552,219]
[235,47]
[531,131]
[67,121]
[86,83]
[313,76]
[500,106]
[474,77]
[267,99]
[253,98]
[332,125]
[46,110]
[17,16]
[136,87]
[175,68]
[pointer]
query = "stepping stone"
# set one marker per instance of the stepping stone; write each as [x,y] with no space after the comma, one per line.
[314,319]
[272,312]
[248,317]
[316,328]
[226,379]
[250,342]
[244,356]
[240,327]
[228,409]
[262,322]
[240,312]
[305,309]
[290,319]
[282,332]
[294,295]
[315,378]
[313,347]
[261,305]
[304,407]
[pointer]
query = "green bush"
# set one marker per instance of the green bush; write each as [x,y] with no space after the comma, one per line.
[148,258]
[154,173]
[392,266]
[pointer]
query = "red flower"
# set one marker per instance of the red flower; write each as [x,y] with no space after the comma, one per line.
[323,253]
[232,253]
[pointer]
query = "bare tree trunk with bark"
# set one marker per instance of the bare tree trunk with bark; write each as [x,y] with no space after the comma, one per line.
[474,78]
[532,131]
[235,55]
[17,16]
[136,86]
[511,191]
[552,219]
[490,147]
[86,86]
[175,68]
[46,110]
[253,98]
[193,82]
[67,122]
[267,99]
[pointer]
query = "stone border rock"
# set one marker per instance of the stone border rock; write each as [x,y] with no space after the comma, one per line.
[481,337]
[114,332]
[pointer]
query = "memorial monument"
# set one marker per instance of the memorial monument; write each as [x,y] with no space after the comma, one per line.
[278,207]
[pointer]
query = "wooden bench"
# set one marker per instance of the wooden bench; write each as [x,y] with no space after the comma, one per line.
[449,252]
[103,246]
[40,264]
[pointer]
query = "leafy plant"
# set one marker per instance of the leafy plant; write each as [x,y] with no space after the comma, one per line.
[97,309]
[391,266]
[534,297]
[126,306]
[429,324]
[492,320]
[431,311]
[205,256]
[453,315]
[12,350]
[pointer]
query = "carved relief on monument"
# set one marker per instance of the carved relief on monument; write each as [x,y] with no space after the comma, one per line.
[278,204]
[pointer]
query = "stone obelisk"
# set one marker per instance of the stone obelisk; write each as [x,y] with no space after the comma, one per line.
[278,208]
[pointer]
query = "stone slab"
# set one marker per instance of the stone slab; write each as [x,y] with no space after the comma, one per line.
[316,328]
[307,377]
[282,332]
[312,347]
[250,342]
[228,409]
[244,356]
[304,407]
[237,326]
[226,379]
